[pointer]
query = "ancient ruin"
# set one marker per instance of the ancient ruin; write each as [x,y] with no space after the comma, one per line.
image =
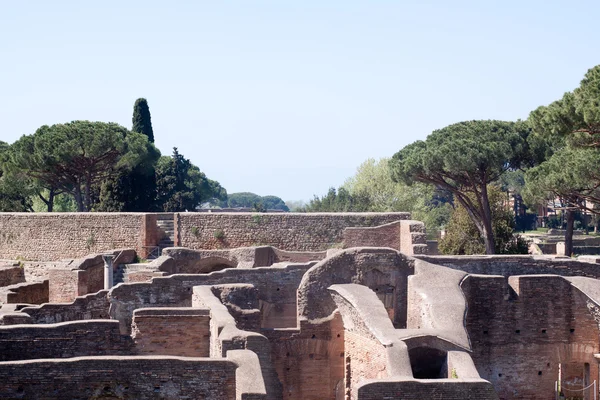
[284,306]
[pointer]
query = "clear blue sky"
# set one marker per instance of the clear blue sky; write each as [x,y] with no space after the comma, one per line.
[288,97]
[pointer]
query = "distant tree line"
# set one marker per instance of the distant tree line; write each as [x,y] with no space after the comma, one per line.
[98,166]
[253,201]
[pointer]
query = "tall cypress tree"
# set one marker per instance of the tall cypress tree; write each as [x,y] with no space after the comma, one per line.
[141,119]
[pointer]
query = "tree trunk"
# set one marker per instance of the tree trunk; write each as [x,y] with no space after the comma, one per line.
[50,203]
[88,193]
[488,231]
[78,198]
[569,233]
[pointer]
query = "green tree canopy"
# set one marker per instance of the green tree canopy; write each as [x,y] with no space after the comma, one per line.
[77,157]
[571,175]
[181,186]
[464,158]
[250,200]
[142,122]
[15,189]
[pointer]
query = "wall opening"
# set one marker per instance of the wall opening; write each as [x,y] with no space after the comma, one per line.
[428,363]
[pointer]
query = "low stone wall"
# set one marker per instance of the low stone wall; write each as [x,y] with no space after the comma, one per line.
[149,377]
[69,339]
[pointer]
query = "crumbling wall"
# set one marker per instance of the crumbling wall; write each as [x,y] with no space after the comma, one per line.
[405,236]
[275,285]
[521,329]
[27,293]
[119,377]
[91,306]
[383,270]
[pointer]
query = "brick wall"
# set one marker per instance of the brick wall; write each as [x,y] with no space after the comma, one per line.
[310,361]
[365,358]
[446,389]
[11,274]
[515,265]
[91,306]
[287,231]
[119,377]
[55,236]
[68,339]
[27,293]
[275,285]
[522,331]
[172,331]
[71,235]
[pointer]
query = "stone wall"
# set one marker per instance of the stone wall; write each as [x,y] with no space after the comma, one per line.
[70,235]
[149,377]
[521,329]
[172,331]
[286,231]
[55,236]
[68,339]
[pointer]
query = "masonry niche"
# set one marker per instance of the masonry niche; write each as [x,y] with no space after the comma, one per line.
[428,363]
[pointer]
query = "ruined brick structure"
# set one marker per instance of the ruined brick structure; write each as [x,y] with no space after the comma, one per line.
[215,317]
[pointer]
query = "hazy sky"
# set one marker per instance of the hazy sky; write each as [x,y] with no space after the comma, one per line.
[288,97]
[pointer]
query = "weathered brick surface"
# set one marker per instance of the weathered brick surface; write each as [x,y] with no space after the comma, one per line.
[11,274]
[69,339]
[364,359]
[387,235]
[172,331]
[27,293]
[443,389]
[522,331]
[91,306]
[275,285]
[287,231]
[70,235]
[119,377]
[66,235]
[310,361]
[382,270]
